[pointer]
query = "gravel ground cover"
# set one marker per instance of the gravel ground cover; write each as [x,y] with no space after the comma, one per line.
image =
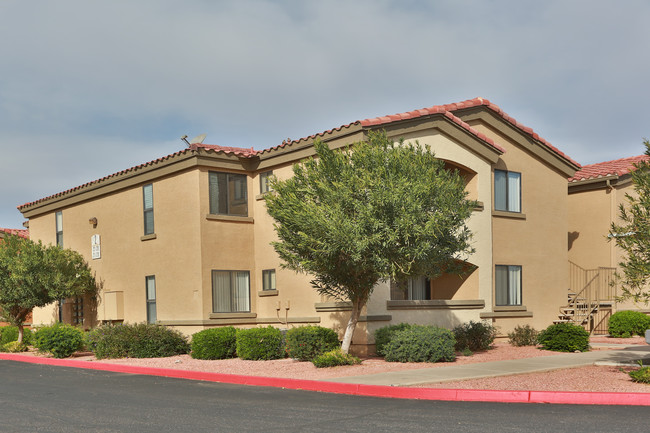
[592,378]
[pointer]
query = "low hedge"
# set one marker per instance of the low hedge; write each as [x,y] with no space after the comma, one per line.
[474,336]
[384,334]
[421,344]
[260,343]
[214,343]
[60,339]
[564,337]
[625,324]
[10,333]
[523,336]
[139,340]
[307,342]
[335,358]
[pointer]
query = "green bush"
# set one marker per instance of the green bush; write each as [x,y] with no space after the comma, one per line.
[421,344]
[260,343]
[214,343]
[628,323]
[13,347]
[10,333]
[642,375]
[335,358]
[60,339]
[523,336]
[139,340]
[474,336]
[383,336]
[564,337]
[307,342]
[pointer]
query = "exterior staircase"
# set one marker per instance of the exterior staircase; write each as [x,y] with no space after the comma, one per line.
[590,299]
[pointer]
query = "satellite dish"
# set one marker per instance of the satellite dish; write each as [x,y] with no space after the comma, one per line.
[198,139]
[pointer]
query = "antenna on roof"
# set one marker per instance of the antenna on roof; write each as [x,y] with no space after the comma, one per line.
[184,138]
[198,139]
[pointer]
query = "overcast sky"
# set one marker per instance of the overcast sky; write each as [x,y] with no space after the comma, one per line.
[88,88]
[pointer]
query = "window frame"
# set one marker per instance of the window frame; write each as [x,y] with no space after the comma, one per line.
[58,223]
[507,288]
[232,295]
[147,212]
[265,185]
[150,301]
[272,284]
[407,289]
[508,206]
[239,193]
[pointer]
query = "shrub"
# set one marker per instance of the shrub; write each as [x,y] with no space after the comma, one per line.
[642,375]
[383,336]
[421,344]
[307,342]
[10,333]
[625,324]
[214,343]
[334,358]
[139,340]
[523,336]
[474,336]
[60,339]
[260,343]
[13,347]
[564,337]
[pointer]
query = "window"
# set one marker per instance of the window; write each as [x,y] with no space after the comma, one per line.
[59,229]
[230,291]
[150,283]
[78,311]
[265,182]
[508,285]
[507,191]
[268,279]
[414,289]
[147,206]
[96,247]
[228,194]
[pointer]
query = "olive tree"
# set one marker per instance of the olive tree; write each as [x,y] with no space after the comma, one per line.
[374,211]
[35,275]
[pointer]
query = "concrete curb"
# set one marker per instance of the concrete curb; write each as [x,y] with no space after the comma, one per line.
[496,396]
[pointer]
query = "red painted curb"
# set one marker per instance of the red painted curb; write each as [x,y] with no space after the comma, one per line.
[497,396]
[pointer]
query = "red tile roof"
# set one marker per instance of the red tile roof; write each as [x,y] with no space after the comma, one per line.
[617,167]
[23,233]
[446,110]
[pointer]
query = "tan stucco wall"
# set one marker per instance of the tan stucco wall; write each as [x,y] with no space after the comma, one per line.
[538,242]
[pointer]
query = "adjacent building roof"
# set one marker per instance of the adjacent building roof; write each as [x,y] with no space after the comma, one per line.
[23,233]
[449,111]
[617,167]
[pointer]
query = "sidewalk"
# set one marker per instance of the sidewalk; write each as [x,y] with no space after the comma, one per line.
[628,355]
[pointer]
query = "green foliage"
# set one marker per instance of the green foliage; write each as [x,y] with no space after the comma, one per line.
[373,211]
[13,347]
[421,344]
[306,342]
[384,334]
[335,358]
[260,343]
[523,336]
[139,340]
[564,337]
[214,343]
[34,275]
[10,333]
[632,235]
[60,339]
[624,324]
[642,375]
[474,336]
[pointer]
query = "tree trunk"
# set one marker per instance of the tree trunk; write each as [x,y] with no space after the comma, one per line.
[20,333]
[352,324]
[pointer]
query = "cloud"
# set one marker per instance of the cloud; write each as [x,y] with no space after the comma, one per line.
[95,87]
